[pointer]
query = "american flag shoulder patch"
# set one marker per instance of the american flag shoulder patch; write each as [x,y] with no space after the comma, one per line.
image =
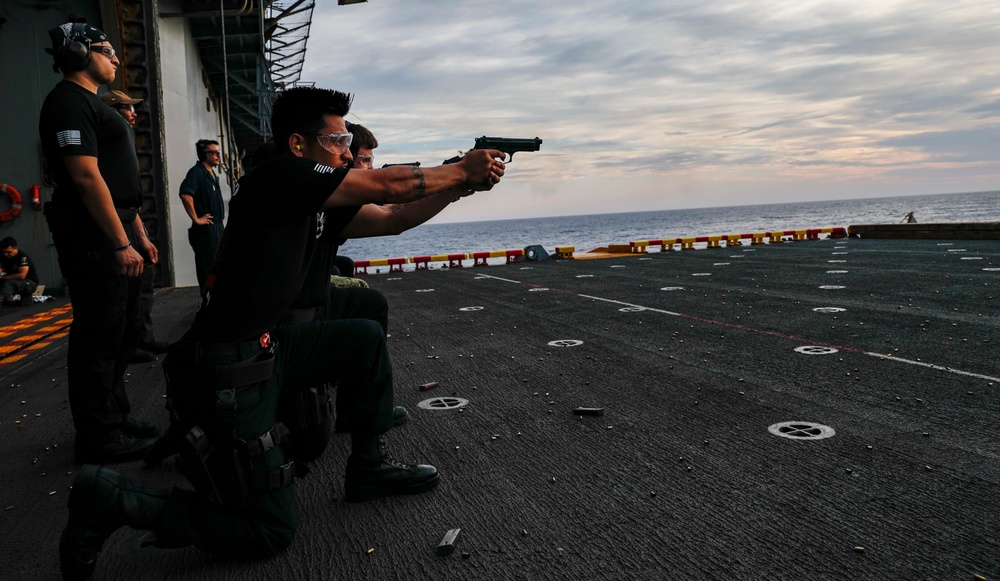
[69,137]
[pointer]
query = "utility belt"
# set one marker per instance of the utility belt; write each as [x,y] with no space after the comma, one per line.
[194,365]
[212,457]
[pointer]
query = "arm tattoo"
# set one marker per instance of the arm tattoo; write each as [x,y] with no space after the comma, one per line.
[421,190]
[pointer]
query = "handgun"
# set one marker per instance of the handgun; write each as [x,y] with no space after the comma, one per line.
[508,145]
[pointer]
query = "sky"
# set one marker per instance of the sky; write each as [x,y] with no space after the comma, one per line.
[672,104]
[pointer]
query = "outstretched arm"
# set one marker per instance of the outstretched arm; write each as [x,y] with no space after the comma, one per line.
[479,170]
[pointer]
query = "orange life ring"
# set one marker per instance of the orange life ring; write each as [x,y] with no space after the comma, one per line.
[15,203]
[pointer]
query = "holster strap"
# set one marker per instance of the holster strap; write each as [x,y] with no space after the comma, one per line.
[268,440]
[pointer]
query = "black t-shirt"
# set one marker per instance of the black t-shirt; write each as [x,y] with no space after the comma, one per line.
[14,264]
[266,249]
[329,224]
[75,121]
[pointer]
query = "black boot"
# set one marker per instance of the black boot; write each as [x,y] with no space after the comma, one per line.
[372,473]
[101,502]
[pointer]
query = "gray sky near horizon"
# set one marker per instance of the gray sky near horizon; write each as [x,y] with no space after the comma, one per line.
[656,104]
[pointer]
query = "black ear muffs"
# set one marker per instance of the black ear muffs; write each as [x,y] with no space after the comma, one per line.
[74,55]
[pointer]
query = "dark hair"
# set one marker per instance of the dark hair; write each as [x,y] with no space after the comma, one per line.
[363,138]
[301,110]
[201,146]
[264,152]
[8,242]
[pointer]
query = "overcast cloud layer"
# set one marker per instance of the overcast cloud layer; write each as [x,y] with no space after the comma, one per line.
[653,104]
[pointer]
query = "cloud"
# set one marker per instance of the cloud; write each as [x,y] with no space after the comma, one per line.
[758,92]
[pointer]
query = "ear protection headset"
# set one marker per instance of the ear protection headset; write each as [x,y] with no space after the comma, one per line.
[74,54]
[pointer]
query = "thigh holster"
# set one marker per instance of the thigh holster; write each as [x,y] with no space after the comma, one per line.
[214,460]
[309,408]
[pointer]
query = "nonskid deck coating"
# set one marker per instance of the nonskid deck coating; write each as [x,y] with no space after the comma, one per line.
[692,356]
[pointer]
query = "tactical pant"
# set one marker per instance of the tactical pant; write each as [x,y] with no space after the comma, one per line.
[357,303]
[263,522]
[146,292]
[23,287]
[204,241]
[102,336]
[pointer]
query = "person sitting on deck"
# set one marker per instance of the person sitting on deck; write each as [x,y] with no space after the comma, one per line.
[18,275]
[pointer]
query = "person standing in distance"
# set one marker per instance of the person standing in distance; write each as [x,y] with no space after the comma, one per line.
[101,243]
[148,347]
[202,199]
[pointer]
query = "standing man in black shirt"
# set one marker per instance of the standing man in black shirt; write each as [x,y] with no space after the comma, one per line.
[227,374]
[147,346]
[100,240]
[202,199]
[19,276]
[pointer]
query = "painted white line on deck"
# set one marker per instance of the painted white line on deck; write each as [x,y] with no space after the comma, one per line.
[932,366]
[630,305]
[753,330]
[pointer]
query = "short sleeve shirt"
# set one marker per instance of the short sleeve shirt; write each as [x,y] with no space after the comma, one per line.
[329,224]
[203,187]
[75,121]
[266,249]
[15,263]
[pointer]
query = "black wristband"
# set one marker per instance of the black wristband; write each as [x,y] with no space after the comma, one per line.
[127,245]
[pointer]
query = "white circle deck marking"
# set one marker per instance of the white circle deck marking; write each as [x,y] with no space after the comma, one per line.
[526,268]
[537,290]
[829,309]
[736,256]
[424,290]
[836,272]
[672,288]
[617,266]
[956,250]
[991,269]
[632,309]
[721,264]
[470,309]
[836,253]
[395,278]
[749,250]
[701,274]
[832,286]
[584,276]
[801,430]
[646,258]
[946,244]
[971,258]
[443,403]
[836,261]
[565,343]
[815,350]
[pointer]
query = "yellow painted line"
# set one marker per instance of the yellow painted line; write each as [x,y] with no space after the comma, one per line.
[11,359]
[52,329]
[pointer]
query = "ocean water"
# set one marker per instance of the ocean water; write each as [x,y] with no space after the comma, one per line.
[593,231]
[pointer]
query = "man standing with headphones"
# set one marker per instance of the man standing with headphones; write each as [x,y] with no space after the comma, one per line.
[100,240]
[202,200]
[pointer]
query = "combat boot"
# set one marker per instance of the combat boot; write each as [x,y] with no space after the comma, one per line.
[101,502]
[372,473]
